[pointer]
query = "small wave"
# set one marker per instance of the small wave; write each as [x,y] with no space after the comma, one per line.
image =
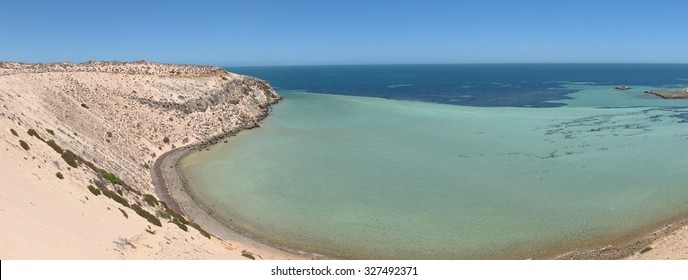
[400,85]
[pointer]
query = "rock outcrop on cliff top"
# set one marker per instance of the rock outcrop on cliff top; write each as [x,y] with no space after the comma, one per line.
[123,115]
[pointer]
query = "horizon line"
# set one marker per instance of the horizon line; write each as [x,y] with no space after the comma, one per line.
[340,64]
[450,63]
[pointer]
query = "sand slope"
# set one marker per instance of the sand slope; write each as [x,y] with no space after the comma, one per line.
[116,118]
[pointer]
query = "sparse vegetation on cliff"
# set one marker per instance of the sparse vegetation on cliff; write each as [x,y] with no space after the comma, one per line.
[135,107]
[116,197]
[180,225]
[70,158]
[145,214]
[55,147]
[95,191]
[200,230]
[150,200]
[110,177]
[24,145]
[33,133]
[248,255]
[124,213]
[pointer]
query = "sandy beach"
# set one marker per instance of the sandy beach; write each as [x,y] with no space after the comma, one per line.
[667,243]
[91,152]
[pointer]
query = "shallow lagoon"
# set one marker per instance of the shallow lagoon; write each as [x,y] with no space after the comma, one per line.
[362,177]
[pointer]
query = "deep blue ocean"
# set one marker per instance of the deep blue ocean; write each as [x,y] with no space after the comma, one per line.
[483,85]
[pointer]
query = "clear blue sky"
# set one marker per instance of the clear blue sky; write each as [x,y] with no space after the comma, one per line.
[300,32]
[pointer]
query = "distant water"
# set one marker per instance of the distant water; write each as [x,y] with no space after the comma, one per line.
[551,159]
[484,85]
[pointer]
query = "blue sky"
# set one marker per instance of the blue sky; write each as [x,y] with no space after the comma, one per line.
[300,32]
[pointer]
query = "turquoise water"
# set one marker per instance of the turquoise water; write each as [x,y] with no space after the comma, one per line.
[363,177]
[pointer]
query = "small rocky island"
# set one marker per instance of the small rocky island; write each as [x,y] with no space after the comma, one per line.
[670,94]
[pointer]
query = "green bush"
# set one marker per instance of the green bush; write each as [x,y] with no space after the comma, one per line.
[116,197]
[150,200]
[70,158]
[128,188]
[177,217]
[248,254]
[180,225]
[647,249]
[169,213]
[59,175]
[24,145]
[50,131]
[89,164]
[124,213]
[14,132]
[166,140]
[110,177]
[94,190]
[146,215]
[179,220]
[55,147]
[200,230]
[84,105]
[164,215]
[33,133]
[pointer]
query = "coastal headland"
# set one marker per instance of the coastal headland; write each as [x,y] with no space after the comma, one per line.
[670,94]
[79,144]
[90,153]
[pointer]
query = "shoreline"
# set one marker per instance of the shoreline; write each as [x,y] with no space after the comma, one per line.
[170,187]
[629,245]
